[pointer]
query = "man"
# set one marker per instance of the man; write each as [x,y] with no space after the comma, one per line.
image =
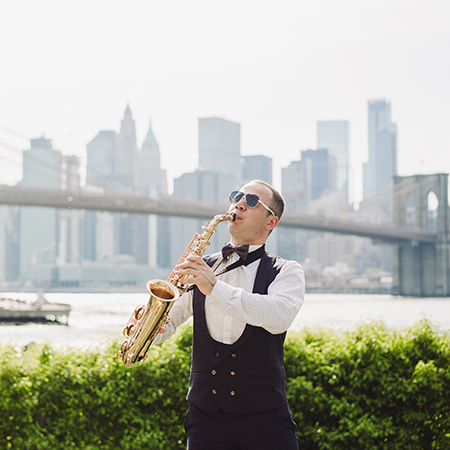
[237,386]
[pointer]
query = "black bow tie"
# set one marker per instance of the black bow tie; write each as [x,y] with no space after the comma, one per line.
[228,249]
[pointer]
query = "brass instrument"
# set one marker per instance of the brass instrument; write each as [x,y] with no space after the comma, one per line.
[146,321]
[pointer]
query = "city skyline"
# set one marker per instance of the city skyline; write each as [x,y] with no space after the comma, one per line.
[222,59]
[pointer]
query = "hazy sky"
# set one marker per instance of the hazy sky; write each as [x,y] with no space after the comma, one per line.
[69,69]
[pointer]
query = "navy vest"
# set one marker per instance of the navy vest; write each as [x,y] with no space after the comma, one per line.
[243,377]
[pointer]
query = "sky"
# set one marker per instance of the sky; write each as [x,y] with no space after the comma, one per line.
[69,69]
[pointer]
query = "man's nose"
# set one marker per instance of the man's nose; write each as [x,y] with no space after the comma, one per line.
[241,203]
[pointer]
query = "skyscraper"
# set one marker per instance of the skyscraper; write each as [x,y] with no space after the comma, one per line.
[9,243]
[257,167]
[323,170]
[382,162]
[100,156]
[114,163]
[38,226]
[218,174]
[296,185]
[219,146]
[203,186]
[302,182]
[99,243]
[334,135]
[69,220]
[125,160]
[152,179]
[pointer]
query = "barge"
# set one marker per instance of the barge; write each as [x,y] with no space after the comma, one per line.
[39,310]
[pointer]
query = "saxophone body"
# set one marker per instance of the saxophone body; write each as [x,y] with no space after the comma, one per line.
[146,321]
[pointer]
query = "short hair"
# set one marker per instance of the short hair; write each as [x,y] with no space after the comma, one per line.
[277,202]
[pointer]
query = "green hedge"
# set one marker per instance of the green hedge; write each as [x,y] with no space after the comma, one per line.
[369,388]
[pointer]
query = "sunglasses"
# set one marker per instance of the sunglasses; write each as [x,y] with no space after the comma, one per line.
[251,200]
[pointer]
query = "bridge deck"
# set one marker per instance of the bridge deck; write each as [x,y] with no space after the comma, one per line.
[168,206]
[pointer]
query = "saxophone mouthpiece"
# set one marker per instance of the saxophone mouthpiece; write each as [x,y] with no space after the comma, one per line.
[233,217]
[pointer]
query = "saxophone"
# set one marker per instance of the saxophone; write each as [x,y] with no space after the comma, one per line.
[146,321]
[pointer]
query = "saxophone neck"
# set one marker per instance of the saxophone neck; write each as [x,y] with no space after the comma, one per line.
[212,224]
[198,246]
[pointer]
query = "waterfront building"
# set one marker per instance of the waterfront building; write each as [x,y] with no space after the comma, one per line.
[322,171]
[152,179]
[303,183]
[219,173]
[334,135]
[378,171]
[9,243]
[100,156]
[256,167]
[114,163]
[125,161]
[203,186]
[70,220]
[38,226]
[219,146]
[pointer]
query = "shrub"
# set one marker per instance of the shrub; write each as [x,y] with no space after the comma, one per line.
[369,388]
[78,399]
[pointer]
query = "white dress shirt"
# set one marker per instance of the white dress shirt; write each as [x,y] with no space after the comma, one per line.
[231,304]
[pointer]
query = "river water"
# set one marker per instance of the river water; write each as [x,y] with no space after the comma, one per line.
[96,318]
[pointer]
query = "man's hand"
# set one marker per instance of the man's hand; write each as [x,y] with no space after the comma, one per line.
[199,273]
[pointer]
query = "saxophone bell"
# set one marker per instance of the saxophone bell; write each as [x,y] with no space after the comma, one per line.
[146,321]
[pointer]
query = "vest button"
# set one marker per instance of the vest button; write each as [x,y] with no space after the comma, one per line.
[214,391]
[233,355]
[232,393]
[213,372]
[233,373]
[217,354]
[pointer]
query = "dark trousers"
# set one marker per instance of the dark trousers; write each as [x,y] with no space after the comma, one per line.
[265,430]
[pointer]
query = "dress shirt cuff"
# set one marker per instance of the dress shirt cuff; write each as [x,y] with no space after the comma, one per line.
[221,293]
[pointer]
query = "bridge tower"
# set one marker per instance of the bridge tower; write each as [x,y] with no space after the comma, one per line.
[421,269]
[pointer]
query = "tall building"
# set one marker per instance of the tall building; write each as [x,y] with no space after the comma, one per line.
[99,243]
[303,182]
[9,243]
[334,135]
[203,186]
[100,156]
[296,185]
[323,170]
[382,162]
[296,188]
[125,160]
[114,163]
[38,226]
[152,179]
[219,173]
[70,220]
[219,146]
[308,179]
[256,167]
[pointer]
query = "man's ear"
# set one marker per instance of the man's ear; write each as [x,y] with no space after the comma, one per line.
[272,223]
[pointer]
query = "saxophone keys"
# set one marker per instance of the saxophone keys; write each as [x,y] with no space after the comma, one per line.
[139,312]
[129,330]
[123,347]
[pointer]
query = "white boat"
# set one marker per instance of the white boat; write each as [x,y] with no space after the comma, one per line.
[39,310]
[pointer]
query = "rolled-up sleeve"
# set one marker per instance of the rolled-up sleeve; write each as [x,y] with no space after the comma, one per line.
[275,311]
